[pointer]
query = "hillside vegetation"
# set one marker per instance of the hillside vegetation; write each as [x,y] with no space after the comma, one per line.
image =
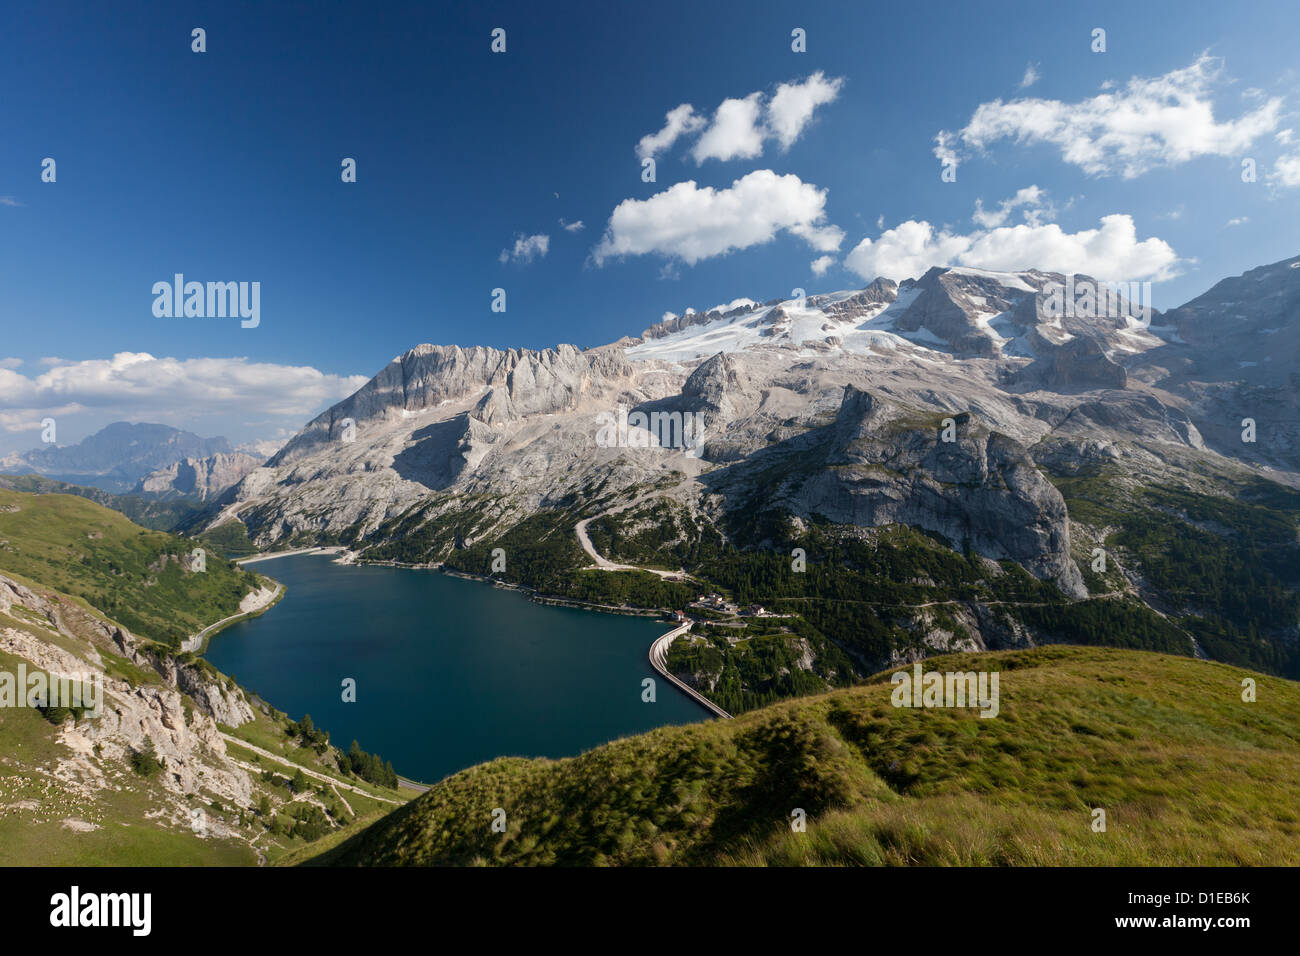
[1187,772]
[175,742]
[150,512]
[140,578]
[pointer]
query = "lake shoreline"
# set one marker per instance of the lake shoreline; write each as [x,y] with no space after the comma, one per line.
[513,741]
[534,595]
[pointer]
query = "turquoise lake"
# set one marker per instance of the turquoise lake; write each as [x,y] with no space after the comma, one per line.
[449,672]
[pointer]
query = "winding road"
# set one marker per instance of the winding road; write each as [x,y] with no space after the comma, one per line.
[659,649]
[659,661]
[195,643]
[285,761]
[603,563]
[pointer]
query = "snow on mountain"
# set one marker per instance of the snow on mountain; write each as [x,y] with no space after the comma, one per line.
[964,313]
[442,431]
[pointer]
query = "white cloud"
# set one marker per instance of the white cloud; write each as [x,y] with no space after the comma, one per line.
[691,223]
[821,264]
[526,248]
[29,419]
[1239,221]
[1031,201]
[1286,171]
[1031,76]
[135,383]
[735,132]
[945,150]
[905,252]
[9,201]
[740,125]
[10,362]
[677,123]
[577,226]
[1148,123]
[1110,252]
[1283,136]
[793,105]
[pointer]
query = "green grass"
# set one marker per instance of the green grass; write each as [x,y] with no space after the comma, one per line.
[229,539]
[160,514]
[1228,567]
[131,574]
[1187,772]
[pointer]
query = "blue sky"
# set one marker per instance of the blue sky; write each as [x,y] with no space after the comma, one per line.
[225,166]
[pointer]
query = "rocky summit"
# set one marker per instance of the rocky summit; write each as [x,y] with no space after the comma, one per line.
[966,405]
[775,379]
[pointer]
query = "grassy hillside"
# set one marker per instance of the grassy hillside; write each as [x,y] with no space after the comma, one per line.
[1186,771]
[139,577]
[1226,565]
[158,514]
[81,789]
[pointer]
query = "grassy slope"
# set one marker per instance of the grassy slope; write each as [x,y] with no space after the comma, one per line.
[1187,772]
[34,803]
[132,574]
[1225,565]
[47,540]
[160,514]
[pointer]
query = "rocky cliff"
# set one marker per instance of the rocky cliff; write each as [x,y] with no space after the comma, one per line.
[784,381]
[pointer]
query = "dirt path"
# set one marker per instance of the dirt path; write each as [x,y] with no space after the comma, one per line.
[603,563]
[289,763]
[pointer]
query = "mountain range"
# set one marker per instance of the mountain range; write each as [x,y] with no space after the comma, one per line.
[139,458]
[979,409]
[952,465]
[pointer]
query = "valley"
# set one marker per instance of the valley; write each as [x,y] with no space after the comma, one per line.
[946,469]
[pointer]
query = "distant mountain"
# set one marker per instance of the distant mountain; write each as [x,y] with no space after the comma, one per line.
[117,457]
[962,313]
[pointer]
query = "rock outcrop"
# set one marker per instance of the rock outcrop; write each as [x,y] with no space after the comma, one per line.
[134,717]
[518,428]
[201,478]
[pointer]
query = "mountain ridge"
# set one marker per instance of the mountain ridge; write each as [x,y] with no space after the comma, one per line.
[979,408]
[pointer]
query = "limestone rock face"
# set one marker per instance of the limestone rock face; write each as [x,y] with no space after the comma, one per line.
[1079,363]
[203,478]
[516,430]
[880,465]
[945,304]
[132,717]
[719,386]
